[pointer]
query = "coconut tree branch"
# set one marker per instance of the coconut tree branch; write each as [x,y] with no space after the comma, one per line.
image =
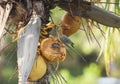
[88,10]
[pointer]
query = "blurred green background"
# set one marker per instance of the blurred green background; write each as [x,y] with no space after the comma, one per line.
[74,69]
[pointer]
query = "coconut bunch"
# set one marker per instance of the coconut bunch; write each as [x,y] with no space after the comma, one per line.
[51,47]
[51,50]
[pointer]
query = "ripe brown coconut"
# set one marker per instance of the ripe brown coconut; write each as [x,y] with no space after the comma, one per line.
[53,49]
[70,24]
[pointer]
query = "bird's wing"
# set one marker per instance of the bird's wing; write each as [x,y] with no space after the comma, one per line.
[27,47]
[4,13]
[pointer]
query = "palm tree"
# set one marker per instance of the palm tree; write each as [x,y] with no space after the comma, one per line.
[30,15]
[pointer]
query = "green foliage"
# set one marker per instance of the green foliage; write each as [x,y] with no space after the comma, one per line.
[89,76]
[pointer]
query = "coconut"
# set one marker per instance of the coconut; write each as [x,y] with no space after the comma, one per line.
[53,49]
[38,70]
[70,24]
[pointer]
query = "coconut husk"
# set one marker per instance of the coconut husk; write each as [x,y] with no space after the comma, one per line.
[70,24]
[53,49]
